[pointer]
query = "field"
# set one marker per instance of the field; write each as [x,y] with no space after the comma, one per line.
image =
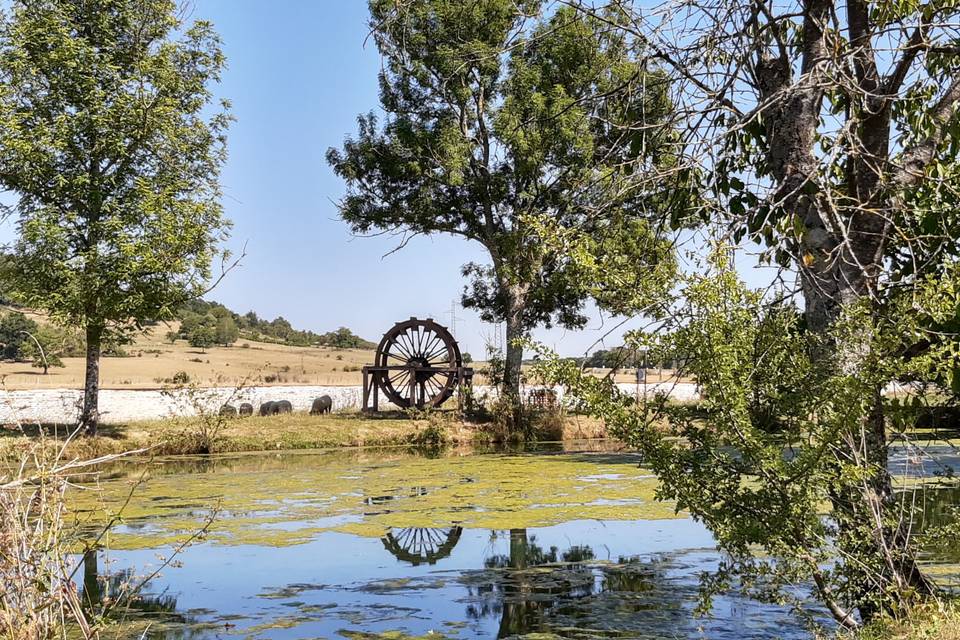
[151,360]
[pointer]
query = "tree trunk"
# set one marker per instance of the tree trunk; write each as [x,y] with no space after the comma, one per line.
[513,356]
[90,416]
[865,505]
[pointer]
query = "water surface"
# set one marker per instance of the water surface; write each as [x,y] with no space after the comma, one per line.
[355,544]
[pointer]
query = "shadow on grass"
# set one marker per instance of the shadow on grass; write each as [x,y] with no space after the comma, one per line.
[58,431]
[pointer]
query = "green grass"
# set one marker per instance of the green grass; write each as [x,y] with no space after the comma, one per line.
[184,436]
[934,622]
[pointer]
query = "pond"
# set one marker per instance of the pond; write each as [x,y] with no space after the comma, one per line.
[397,544]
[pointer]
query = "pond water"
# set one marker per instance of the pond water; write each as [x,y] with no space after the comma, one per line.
[397,544]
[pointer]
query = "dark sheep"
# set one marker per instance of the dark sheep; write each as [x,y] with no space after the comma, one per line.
[267,408]
[283,406]
[228,410]
[323,404]
[246,409]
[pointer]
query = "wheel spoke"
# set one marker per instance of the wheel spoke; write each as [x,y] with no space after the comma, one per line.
[425,345]
[400,381]
[408,350]
[441,351]
[418,349]
[432,345]
[400,347]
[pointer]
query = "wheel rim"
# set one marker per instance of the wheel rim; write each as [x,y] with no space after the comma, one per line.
[428,346]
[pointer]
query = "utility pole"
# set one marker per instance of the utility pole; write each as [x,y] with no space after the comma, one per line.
[453,318]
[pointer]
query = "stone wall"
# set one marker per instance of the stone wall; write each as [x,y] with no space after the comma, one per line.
[121,405]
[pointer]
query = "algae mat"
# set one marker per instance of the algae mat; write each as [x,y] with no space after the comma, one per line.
[289,498]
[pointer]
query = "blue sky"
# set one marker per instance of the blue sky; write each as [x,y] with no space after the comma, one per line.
[299,72]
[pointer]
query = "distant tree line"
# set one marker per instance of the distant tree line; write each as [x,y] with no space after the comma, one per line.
[622,357]
[22,339]
[205,324]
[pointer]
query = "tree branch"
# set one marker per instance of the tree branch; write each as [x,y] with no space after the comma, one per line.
[916,158]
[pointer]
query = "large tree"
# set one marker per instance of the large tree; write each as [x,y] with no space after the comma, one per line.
[827,133]
[500,121]
[109,142]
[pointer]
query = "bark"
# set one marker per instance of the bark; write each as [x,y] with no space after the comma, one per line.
[513,356]
[90,415]
[868,505]
[840,259]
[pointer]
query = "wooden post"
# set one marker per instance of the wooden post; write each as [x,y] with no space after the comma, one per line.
[366,389]
[412,390]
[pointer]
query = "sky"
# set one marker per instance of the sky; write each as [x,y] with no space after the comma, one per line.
[299,73]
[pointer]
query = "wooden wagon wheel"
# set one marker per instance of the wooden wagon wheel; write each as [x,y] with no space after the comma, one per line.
[423,359]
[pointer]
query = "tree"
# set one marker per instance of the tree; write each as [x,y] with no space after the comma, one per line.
[828,134]
[109,144]
[202,336]
[226,332]
[49,344]
[498,123]
[15,332]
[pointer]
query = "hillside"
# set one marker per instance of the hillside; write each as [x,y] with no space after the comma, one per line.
[152,359]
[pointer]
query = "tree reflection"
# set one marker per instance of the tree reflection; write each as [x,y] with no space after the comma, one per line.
[536,589]
[121,591]
[938,510]
[519,587]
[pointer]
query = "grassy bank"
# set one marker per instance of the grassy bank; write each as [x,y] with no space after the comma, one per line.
[933,623]
[290,431]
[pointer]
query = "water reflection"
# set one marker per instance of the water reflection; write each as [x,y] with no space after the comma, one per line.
[937,508]
[419,545]
[590,554]
[518,593]
[121,590]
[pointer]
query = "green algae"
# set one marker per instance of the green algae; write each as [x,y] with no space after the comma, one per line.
[284,499]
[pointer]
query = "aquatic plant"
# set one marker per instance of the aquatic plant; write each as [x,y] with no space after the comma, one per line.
[290,498]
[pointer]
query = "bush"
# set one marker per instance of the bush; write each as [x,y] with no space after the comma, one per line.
[434,434]
[180,377]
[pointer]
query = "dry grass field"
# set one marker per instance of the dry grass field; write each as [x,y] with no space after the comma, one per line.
[152,359]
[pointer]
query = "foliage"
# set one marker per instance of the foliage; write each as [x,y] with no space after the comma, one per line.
[829,138]
[51,343]
[226,332]
[205,430]
[616,358]
[933,622]
[501,119]
[252,327]
[756,460]
[15,332]
[113,152]
[202,337]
